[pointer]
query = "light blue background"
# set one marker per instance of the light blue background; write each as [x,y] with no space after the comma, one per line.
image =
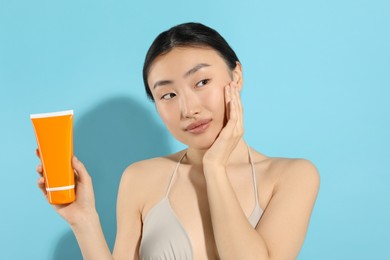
[317,86]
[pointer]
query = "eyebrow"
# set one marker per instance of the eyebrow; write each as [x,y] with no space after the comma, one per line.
[162,83]
[187,74]
[195,69]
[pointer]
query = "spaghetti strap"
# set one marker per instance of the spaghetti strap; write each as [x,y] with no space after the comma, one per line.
[174,174]
[164,236]
[257,212]
[253,176]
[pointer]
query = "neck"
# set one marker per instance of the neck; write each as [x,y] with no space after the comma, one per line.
[238,155]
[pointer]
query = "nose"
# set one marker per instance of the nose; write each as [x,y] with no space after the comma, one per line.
[189,104]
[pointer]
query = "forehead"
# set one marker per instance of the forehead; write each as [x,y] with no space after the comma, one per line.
[180,59]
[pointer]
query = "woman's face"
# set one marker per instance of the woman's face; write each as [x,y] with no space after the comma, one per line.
[188,84]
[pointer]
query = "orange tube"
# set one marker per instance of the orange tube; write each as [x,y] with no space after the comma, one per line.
[54,134]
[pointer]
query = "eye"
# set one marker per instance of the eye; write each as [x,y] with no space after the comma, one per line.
[202,82]
[168,96]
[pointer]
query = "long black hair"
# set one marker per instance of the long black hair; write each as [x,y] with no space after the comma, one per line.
[186,35]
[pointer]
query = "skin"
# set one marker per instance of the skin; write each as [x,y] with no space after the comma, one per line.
[212,194]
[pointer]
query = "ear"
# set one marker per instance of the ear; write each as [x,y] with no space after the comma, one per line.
[237,75]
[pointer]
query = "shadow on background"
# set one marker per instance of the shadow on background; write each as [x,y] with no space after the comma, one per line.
[107,139]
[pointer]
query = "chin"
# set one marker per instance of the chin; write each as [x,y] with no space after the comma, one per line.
[201,142]
[199,146]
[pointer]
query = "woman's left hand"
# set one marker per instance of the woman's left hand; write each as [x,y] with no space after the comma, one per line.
[219,153]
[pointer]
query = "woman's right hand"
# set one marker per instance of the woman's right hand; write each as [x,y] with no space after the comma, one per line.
[84,205]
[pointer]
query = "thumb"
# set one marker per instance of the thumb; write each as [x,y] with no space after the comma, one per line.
[80,170]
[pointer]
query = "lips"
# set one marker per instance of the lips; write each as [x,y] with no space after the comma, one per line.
[199,126]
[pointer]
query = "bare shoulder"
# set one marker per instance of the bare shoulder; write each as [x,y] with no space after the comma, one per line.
[142,184]
[143,176]
[150,168]
[284,176]
[285,169]
[294,173]
[290,188]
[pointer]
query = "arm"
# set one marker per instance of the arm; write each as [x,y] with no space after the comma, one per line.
[82,216]
[283,226]
[285,222]
[90,238]
[129,225]
[281,231]
[89,233]
[84,220]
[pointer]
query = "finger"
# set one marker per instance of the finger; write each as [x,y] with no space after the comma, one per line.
[40,169]
[233,103]
[228,93]
[228,98]
[236,112]
[239,108]
[232,118]
[41,185]
[37,153]
[80,170]
[238,105]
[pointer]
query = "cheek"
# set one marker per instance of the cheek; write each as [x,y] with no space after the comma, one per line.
[215,100]
[167,114]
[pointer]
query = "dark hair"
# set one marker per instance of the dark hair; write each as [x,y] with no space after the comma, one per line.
[183,35]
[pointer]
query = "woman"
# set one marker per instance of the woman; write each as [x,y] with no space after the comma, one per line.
[219,198]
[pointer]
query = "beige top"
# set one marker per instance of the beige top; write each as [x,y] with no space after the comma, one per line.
[164,237]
